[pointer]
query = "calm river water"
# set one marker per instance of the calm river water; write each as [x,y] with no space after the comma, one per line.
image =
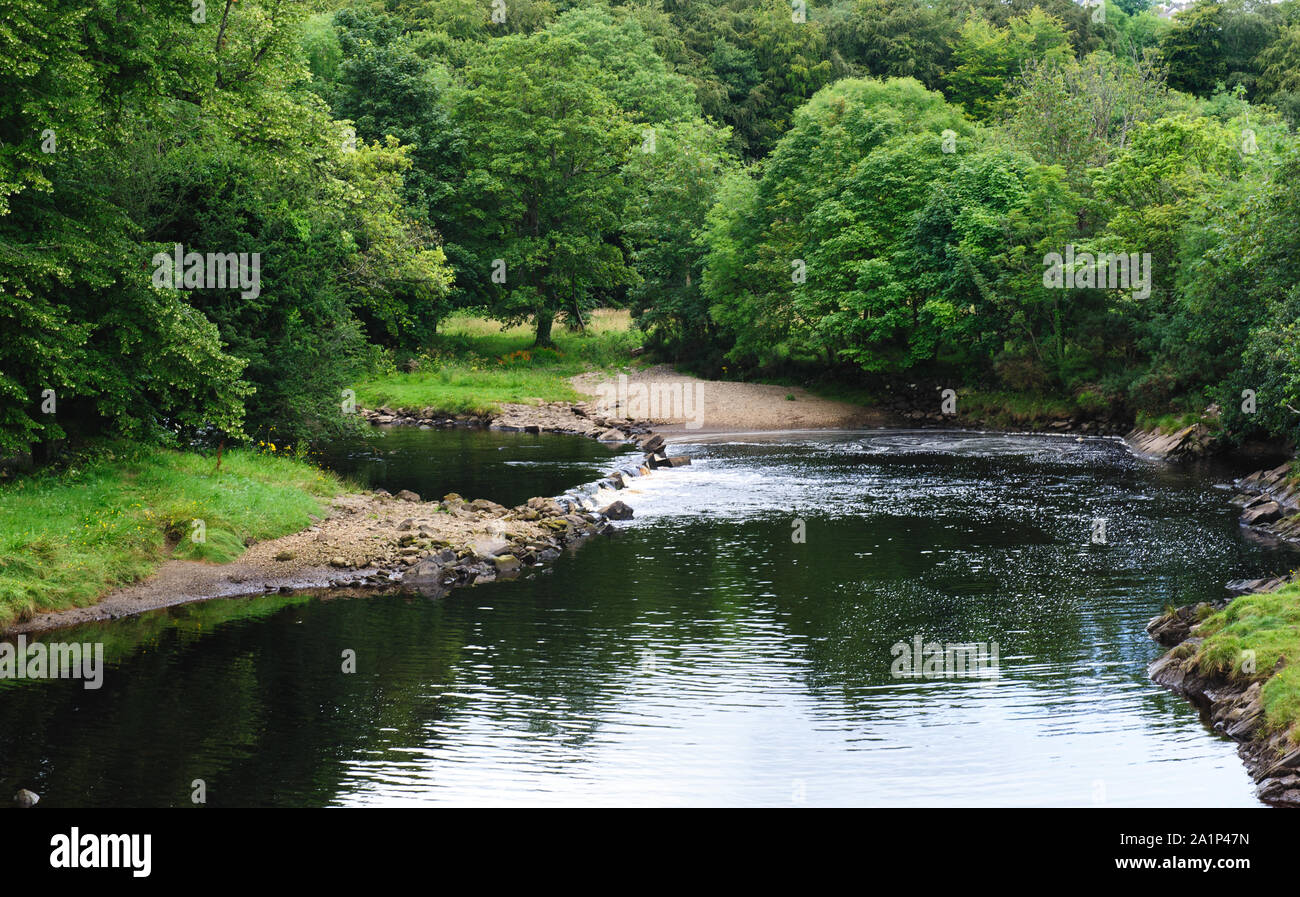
[703,655]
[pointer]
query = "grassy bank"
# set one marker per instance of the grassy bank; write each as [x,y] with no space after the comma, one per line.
[474,365]
[1245,641]
[69,536]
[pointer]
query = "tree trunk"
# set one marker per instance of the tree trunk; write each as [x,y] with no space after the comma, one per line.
[544,320]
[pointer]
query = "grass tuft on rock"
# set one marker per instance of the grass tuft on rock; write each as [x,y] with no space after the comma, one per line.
[1245,641]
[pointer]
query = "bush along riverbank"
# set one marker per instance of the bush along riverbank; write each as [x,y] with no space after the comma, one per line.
[375,540]
[1235,659]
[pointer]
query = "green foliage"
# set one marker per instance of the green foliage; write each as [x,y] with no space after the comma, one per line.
[1078,113]
[895,38]
[825,207]
[385,158]
[163,134]
[626,67]
[677,185]
[985,58]
[79,315]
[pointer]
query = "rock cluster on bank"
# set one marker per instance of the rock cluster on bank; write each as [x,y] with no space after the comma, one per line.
[1270,502]
[1192,441]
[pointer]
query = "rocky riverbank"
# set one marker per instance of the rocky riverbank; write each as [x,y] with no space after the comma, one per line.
[1270,504]
[1231,706]
[375,540]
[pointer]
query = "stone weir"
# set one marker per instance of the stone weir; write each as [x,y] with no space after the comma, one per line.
[514,540]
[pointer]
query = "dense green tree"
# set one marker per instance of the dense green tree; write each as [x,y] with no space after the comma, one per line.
[181,129]
[986,58]
[89,345]
[975,254]
[1279,74]
[627,67]
[1193,48]
[896,38]
[1079,113]
[805,249]
[543,191]
[722,167]
[676,182]
[389,91]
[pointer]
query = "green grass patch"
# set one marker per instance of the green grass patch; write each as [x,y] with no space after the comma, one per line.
[1244,642]
[1168,423]
[1016,409]
[69,536]
[474,365]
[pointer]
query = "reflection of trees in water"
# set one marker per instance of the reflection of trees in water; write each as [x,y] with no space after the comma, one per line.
[257,707]
[476,463]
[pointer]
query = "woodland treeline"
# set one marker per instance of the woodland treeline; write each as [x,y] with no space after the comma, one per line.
[853,190]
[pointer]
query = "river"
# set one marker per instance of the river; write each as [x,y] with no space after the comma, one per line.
[734,643]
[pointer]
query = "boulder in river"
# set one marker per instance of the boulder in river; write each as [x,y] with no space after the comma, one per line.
[547,507]
[424,576]
[617,511]
[484,506]
[26,799]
